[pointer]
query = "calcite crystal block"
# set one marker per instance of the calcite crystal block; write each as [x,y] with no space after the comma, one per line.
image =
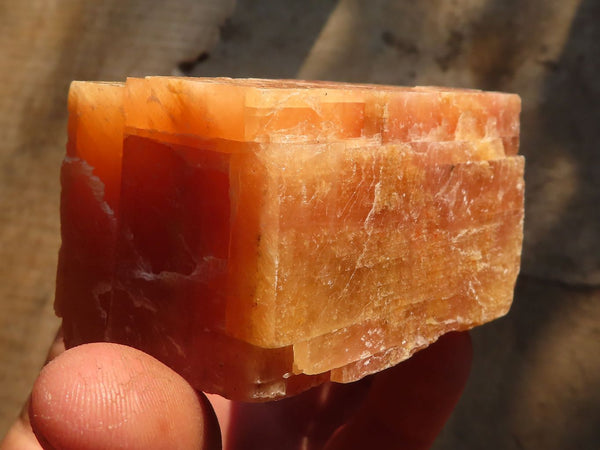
[262,236]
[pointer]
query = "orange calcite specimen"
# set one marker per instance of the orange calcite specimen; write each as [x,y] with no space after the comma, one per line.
[262,236]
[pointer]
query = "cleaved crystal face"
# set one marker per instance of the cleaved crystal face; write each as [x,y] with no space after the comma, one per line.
[264,236]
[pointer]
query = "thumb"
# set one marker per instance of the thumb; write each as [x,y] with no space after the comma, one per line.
[110,396]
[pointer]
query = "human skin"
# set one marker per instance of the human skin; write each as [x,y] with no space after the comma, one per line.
[102,396]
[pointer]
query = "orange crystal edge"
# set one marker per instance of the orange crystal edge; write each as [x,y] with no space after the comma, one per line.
[91,176]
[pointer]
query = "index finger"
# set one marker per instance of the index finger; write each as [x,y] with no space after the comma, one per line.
[409,404]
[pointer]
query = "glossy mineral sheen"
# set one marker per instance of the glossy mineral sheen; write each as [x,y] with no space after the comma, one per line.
[264,236]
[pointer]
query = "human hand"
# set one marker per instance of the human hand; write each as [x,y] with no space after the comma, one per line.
[103,396]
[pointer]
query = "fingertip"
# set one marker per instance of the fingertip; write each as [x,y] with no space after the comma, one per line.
[111,396]
[409,404]
[418,396]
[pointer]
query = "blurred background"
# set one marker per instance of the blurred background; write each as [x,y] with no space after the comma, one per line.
[536,376]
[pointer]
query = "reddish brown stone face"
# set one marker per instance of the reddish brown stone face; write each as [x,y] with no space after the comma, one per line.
[261,236]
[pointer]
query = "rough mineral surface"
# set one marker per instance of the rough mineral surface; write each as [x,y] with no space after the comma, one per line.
[261,236]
